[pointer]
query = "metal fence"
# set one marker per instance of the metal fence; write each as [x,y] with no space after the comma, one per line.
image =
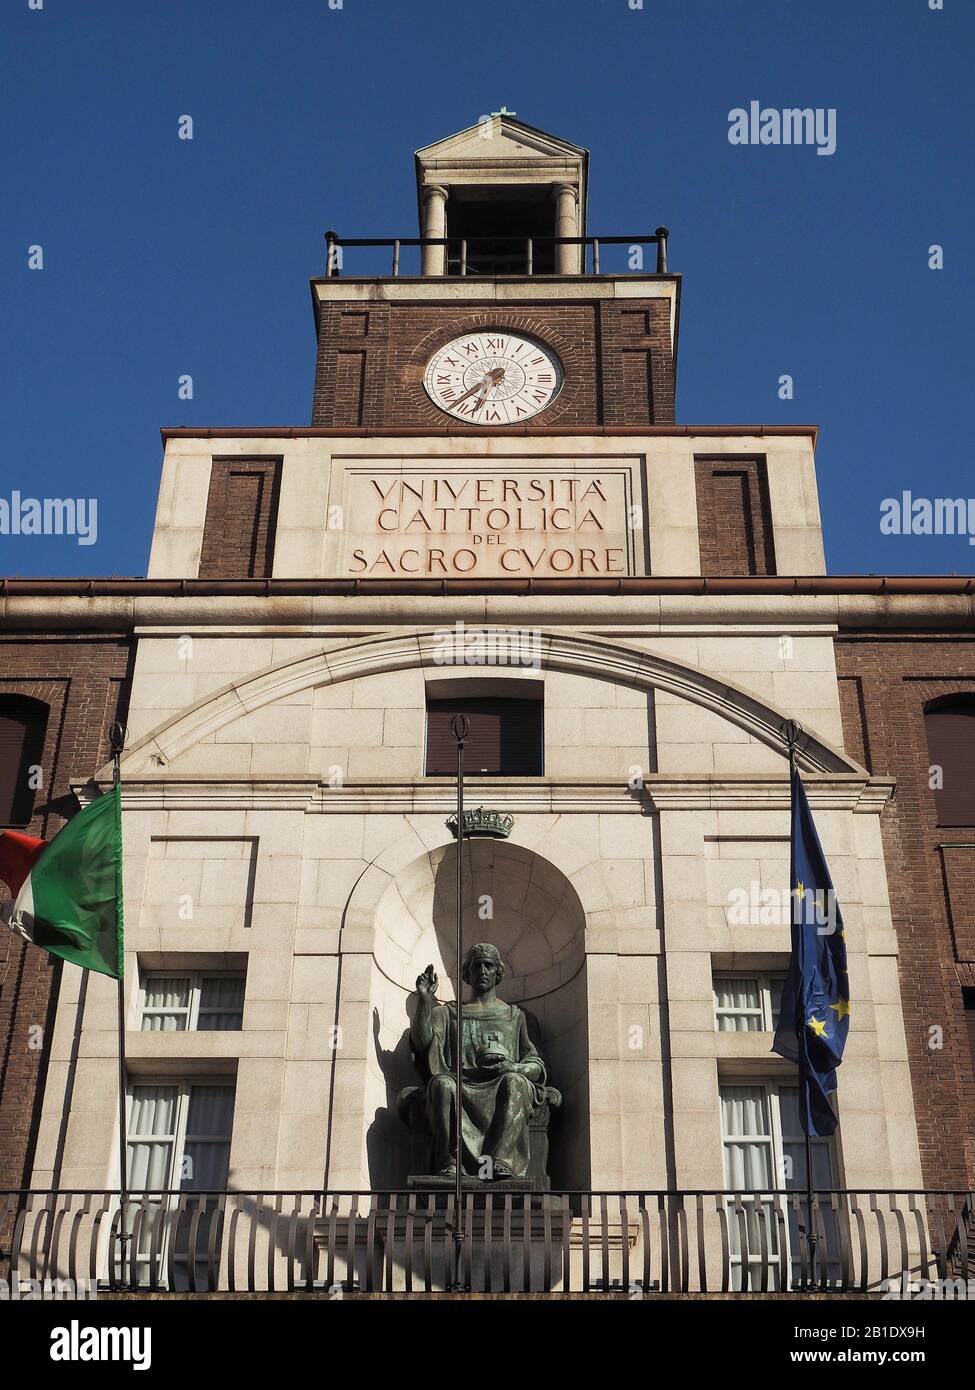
[410,1241]
[518,255]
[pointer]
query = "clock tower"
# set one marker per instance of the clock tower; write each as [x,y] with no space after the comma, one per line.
[503,313]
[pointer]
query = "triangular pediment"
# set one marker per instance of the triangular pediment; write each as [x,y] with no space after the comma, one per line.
[499,138]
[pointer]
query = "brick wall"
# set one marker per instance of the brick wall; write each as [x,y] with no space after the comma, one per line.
[242,510]
[84,681]
[885,682]
[616,355]
[734,516]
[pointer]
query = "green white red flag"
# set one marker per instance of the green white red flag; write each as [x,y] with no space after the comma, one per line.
[67,892]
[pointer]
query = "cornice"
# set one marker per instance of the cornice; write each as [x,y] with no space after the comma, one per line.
[661,792]
[639,606]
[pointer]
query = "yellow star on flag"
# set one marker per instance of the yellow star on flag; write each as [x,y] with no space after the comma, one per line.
[842,1009]
[818,1027]
[800,890]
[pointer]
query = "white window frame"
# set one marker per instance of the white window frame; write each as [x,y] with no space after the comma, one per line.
[765,1011]
[777,1141]
[183,1086]
[192,1010]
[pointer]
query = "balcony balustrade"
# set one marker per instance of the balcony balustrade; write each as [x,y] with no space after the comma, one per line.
[633,1243]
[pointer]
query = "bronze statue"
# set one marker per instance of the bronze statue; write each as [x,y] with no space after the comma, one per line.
[504,1078]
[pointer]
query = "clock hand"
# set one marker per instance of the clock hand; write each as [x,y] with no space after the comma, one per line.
[478,386]
[494,378]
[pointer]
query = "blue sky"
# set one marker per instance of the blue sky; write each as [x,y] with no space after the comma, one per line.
[164,256]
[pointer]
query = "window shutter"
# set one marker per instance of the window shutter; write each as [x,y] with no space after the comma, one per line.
[950,727]
[23,723]
[505,739]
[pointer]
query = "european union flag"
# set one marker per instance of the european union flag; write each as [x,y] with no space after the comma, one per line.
[814,1018]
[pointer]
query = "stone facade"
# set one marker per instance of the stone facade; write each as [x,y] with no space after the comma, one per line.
[334,518]
[276,813]
[278,783]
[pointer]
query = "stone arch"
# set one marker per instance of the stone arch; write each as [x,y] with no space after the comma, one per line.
[552,650]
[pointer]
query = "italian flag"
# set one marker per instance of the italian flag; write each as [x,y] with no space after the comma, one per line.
[67,892]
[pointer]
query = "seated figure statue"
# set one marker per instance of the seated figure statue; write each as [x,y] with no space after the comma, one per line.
[503,1076]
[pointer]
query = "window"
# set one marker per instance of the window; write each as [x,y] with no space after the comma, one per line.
[23,725]
[192,1002]
[178,1137]
[747,1003]
[949,724]
[505,738]
[765,1152]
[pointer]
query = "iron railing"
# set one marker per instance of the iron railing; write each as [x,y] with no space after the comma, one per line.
[462,254]
[372,1242]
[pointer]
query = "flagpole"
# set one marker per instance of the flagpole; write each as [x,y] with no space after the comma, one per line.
[116,736]
[460,727]
[793,732]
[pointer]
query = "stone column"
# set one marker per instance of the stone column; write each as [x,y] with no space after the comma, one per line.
[433,260]
[567,260]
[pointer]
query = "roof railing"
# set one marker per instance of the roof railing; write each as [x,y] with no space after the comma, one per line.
[464,254]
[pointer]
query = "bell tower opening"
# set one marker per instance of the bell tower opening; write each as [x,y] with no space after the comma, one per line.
[502,198]
[497,225]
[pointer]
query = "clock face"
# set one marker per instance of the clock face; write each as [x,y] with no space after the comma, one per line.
[493,378]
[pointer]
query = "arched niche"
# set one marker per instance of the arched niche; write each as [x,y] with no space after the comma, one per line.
[528,908]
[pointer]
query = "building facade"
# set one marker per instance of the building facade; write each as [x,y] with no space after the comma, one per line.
[494,513]
[59,693]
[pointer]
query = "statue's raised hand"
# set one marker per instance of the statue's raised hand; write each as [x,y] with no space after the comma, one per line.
[426,985]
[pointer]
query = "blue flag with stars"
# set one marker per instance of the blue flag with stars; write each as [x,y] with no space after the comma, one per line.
[814,1018]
